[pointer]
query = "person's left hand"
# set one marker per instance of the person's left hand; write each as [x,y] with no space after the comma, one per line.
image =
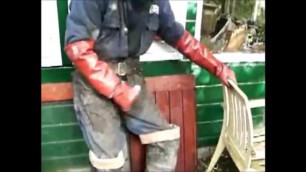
[225,74]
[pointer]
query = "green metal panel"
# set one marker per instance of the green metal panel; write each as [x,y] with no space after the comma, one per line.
[60,149]
[62,142]
[57,163]
[60,132]
[166,68]
[56,74]
[57,113]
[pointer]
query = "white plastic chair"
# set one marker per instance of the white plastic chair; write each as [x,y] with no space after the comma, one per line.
[245,145]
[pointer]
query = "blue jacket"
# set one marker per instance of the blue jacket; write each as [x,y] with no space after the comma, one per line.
[119,28]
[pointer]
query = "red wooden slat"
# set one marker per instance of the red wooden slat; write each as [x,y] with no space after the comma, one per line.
[137,154]
[56,92]
[162,101]
[171,82]
[190,129]
[176,117]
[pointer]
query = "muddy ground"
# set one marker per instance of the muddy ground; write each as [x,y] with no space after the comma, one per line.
[224,164]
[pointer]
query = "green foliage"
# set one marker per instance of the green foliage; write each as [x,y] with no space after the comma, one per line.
[243,8]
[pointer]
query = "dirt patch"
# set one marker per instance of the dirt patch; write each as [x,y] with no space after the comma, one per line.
[224,164]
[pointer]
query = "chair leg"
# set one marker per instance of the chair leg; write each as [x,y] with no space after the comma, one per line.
[219,149]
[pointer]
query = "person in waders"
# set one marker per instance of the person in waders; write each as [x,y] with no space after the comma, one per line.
[104,39]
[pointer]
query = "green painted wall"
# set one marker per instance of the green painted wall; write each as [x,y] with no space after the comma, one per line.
[62,143]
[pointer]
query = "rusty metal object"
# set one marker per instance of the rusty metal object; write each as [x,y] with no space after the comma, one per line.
[211,14]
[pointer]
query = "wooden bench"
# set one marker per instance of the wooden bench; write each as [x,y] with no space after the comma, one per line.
[175,96]
[245,144]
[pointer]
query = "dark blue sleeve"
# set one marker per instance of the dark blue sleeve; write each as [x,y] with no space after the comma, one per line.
[83,21]
[169,29]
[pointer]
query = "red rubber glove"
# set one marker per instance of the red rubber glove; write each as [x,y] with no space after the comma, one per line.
[99,74]
[199,54]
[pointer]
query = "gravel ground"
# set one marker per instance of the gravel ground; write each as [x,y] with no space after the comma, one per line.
[224,164]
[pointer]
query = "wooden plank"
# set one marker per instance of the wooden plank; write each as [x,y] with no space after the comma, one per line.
[176,117]
[189,128]
[162,101]
[171,82]
[56,92]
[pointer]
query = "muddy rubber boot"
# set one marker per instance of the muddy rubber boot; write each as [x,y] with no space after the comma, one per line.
[162,156]
[125,168]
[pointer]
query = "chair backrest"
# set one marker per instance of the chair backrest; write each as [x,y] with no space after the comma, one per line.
[239,125]
[175,96]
